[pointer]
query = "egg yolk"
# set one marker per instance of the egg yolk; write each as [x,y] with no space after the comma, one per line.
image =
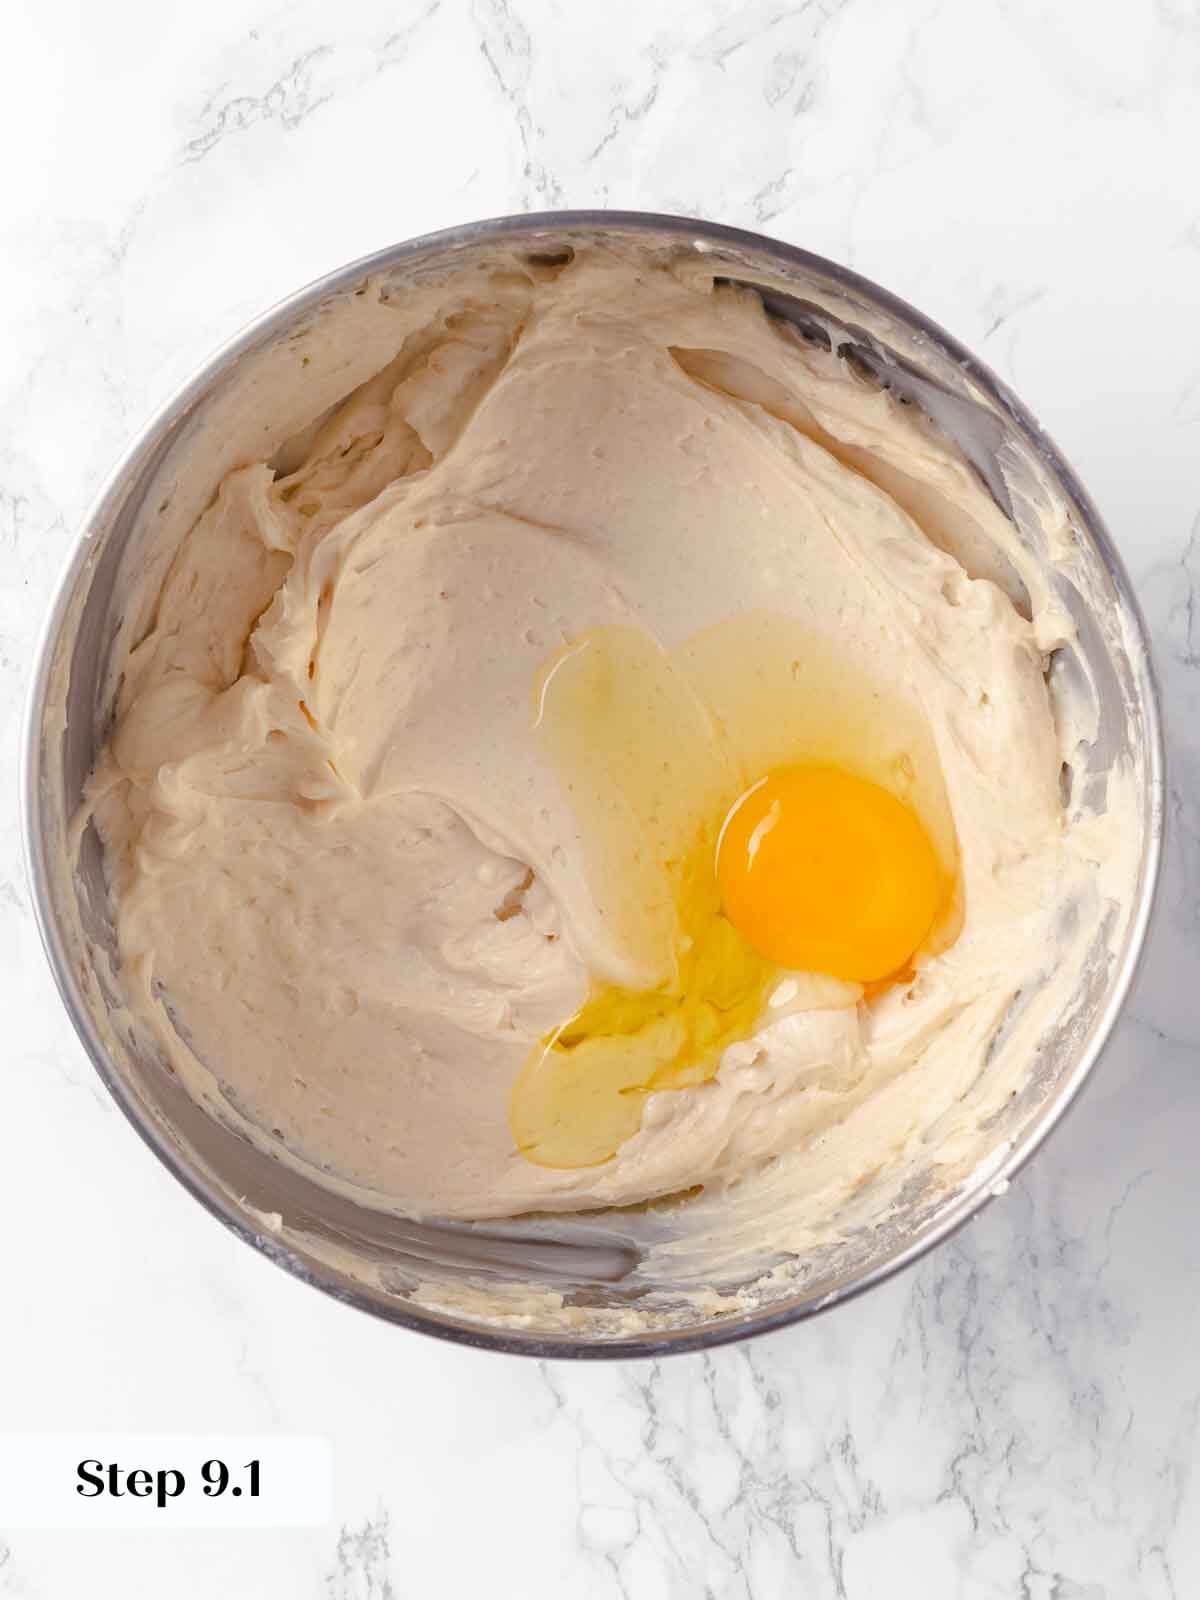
[823,871]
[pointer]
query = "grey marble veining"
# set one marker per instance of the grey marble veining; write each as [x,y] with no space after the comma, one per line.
[1015,1418]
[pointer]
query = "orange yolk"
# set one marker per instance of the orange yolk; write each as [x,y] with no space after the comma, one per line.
[821,871]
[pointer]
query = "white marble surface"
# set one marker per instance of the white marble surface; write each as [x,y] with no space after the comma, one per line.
[1017,1417]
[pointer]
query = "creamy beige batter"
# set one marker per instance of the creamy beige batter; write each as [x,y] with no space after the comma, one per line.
[351,892]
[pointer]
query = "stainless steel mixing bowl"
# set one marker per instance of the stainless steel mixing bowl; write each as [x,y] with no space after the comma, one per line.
[586,1271]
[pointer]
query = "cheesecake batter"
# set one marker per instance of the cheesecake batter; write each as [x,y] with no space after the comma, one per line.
[353,890]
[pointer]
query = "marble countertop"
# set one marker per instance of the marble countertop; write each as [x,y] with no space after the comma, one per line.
[1018,1415]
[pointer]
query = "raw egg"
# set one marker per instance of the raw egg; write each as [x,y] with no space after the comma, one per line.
[749,804]
[822,871]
